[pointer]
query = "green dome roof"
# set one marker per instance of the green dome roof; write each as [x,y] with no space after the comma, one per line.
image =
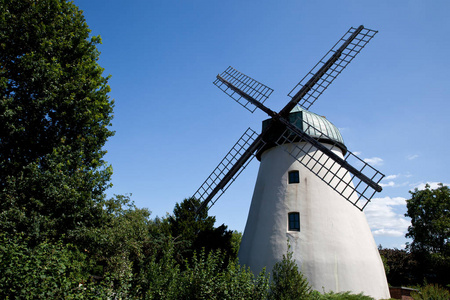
[298,116]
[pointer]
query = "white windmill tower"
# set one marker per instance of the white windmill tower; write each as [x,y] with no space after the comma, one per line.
[310,188]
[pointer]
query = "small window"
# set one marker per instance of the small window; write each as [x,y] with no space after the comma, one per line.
[294,177]
[294,221]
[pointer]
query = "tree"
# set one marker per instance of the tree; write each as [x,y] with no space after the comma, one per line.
[429,210]
[401,265]
[54,118]
[197,231]
[288,282]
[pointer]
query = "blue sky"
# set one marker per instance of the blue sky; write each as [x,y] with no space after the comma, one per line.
[173,126]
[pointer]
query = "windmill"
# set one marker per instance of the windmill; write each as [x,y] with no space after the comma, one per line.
[310,188]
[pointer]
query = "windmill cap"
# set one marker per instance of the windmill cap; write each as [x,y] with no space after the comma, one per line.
[315,126]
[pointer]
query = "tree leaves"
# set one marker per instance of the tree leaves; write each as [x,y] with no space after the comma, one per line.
[54,119]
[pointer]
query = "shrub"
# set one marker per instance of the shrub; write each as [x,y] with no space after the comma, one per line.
[433,292]
[288,283]
[43,272]
[338,296]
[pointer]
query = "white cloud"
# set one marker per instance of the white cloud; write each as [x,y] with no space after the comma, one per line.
[357,153]
[374,161]
[382,218]
[433,185]
[390,183]
[388,232]
[389,177]
[412,156]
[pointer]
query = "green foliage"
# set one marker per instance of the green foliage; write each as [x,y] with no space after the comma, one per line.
[431,292]
[386,266]
[54,118]
[236,239]
[47,271]
[162,276]
[288,283]
[429,210]
[402,267]
[196,231]
[116,248]
[205,277]
[338,296]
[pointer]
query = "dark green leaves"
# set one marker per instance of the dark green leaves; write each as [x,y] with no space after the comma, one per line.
[54,118]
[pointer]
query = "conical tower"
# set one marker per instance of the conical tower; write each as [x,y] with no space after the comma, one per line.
[330,239]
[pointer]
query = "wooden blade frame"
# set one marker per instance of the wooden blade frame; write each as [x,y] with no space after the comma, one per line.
[245,84]
[306,92]
[228,169]
[351,177]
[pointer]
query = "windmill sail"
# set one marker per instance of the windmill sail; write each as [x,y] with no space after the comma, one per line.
[244,85]
[306,92]
[351,177]
[228,169]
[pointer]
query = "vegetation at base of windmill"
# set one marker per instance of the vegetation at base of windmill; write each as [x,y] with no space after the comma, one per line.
[288,282]
[429,210]
[431,291]
[54,118]
[206,276]
[315,295]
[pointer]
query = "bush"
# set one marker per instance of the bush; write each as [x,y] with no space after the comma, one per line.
[338,296]
[288,283]
[204,277]
[433,292]
[42,272]
[207,278]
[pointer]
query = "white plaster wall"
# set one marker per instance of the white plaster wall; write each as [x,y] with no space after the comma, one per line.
[334,249]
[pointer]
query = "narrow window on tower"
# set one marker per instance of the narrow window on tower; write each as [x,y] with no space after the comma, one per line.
[294,221]
[294,177]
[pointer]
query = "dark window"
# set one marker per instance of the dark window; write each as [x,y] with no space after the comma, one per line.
[294,221]
[294,177]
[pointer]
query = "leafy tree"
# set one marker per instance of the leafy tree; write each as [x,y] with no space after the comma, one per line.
[54,118]
[197,231]
[402,267]
[187,222]
[429,210]
[117,248]
[288,282]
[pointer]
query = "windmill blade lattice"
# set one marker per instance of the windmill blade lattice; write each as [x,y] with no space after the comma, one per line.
[215,185]
[243,83]
[351,187]
[343,55]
